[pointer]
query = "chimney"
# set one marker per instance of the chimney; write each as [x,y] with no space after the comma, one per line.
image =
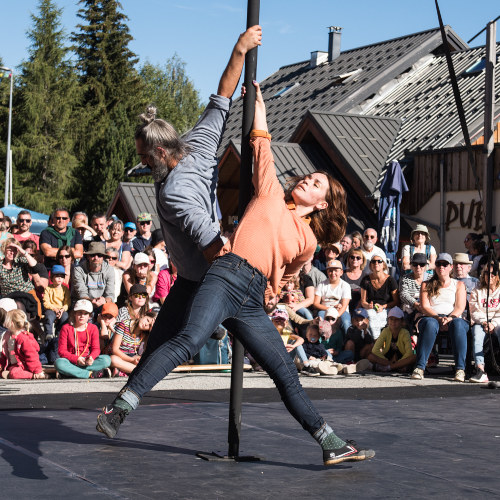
[334,42]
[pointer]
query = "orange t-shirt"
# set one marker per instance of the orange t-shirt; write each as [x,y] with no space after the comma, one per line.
[270,236]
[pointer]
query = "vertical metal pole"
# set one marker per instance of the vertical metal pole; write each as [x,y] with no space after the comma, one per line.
[489,104]
[442,241]
[253,8]
[7,162]
[10,176]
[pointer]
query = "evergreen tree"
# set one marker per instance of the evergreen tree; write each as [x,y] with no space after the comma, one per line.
[45,97]
[110,101]
[172,92]
[4,119]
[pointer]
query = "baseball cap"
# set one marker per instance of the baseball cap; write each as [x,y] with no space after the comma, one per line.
[83,305]
[334,264]
[8,304]
[130,225]
[144,217]
[396,312]
[138,288]
[444,257]
[331,312]
[361,312]
[58,269]
[110,308]
[141,258]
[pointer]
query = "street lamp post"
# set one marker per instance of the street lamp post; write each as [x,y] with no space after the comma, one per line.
[8,169]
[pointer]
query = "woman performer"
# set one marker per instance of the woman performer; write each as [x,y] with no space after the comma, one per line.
[276,237]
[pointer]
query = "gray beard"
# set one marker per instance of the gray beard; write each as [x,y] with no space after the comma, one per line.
[159,171]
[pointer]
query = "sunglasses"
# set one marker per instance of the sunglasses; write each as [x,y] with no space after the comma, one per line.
[141,295]
[355,257]
[145,223]
[24,220]
[369,237]
[111,258]
[61,218]
[496,240]
[65,256]
[442,264]
[418,265]
[128,229]
[152,261]
[376,261]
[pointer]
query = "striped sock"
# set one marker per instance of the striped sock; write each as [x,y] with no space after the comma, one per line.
[327,439]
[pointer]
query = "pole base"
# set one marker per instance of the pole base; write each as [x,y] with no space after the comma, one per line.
[218,456]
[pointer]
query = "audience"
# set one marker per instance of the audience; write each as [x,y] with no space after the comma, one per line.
[369,247]
[64,258]
[354,266]
[123,249]
[24,225]
[419,243]
[409,288]
[143,239]
[56,302]
[358,339]
[129,232]
[99,224]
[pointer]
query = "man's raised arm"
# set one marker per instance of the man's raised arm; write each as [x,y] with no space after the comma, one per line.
[231,76]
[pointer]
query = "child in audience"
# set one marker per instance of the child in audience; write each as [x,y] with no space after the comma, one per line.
[19,354]
[137,304]
[56,300]
[334,344]
[358,338]
[129,342]
[79,350]
[106,322]
[291,293]
[392,350]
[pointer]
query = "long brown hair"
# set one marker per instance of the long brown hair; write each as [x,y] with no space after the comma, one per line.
[328,225]
[432,285]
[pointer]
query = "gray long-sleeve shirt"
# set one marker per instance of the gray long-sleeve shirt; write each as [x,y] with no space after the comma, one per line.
[92,285]
[186,198]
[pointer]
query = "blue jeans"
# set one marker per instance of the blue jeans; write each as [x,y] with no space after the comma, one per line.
[304,312]
[478,336]
[428,330]
[51,319]
[232,290]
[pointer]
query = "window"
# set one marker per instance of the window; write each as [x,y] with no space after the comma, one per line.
[346,77]
[285,90]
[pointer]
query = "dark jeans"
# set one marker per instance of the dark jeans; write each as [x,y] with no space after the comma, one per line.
[231,290]
[428,330]
[51,319]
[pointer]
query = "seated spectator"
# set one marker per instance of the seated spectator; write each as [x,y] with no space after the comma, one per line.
[64,257]
[129,342]
[32,249]
[80,222]
[8,225]
[443,300]
[137,304]
[369,248]
[478,251]
[40,278]
[335,341]
[143,239]
[160,250]
[469,241]
[123,249]
[94,279]
[495,242]
[409,288]
[419,243]
[483,300]
[129,232]
[336,293]
[358,339]
[56,301]
[346,244]
[307,288]
[461,268]
[54,237]
[79,351]
[4,232]
[106,322]
[379,292]
[15,270]
[279,317]
[354,266]
[99,224]
[357,239]
[19,349]
[330,251]
[392,350]
[140,273]
[23,233]
[112,260]
[166,279]
[291,292]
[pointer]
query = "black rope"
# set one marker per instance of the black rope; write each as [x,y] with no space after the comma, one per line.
[492,258]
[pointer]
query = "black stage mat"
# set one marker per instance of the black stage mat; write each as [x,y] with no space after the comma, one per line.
[443,447]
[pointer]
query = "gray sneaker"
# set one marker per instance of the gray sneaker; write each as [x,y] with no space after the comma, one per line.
[309,371]
[480,377]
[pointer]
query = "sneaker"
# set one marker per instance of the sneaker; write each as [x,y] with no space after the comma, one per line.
[327,368]
[480,377]
[309,371]
[349,369]
[348,453]
[418,374]
[109,421]
[104,373]
[459,376]
[363,365]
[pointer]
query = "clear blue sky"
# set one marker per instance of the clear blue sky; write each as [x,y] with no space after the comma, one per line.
[202,32]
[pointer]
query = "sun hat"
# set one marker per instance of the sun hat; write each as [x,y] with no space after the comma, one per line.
[110,308]
[83,305]
[96,248]
[461,258]
[420,228]
[395,312]
[141,258]
[58,269]
[419,258]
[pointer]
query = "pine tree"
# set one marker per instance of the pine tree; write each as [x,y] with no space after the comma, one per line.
[45,97]
[110,101]
[172,92]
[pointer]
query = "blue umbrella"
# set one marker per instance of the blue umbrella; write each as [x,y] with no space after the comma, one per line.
[391,190]
[39,221]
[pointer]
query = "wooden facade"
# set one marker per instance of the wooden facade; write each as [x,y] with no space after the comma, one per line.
[424,179]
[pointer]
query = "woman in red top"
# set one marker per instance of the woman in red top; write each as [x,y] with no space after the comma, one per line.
[79,350]
[275,238]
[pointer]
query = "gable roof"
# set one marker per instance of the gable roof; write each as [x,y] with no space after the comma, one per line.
[319,88]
